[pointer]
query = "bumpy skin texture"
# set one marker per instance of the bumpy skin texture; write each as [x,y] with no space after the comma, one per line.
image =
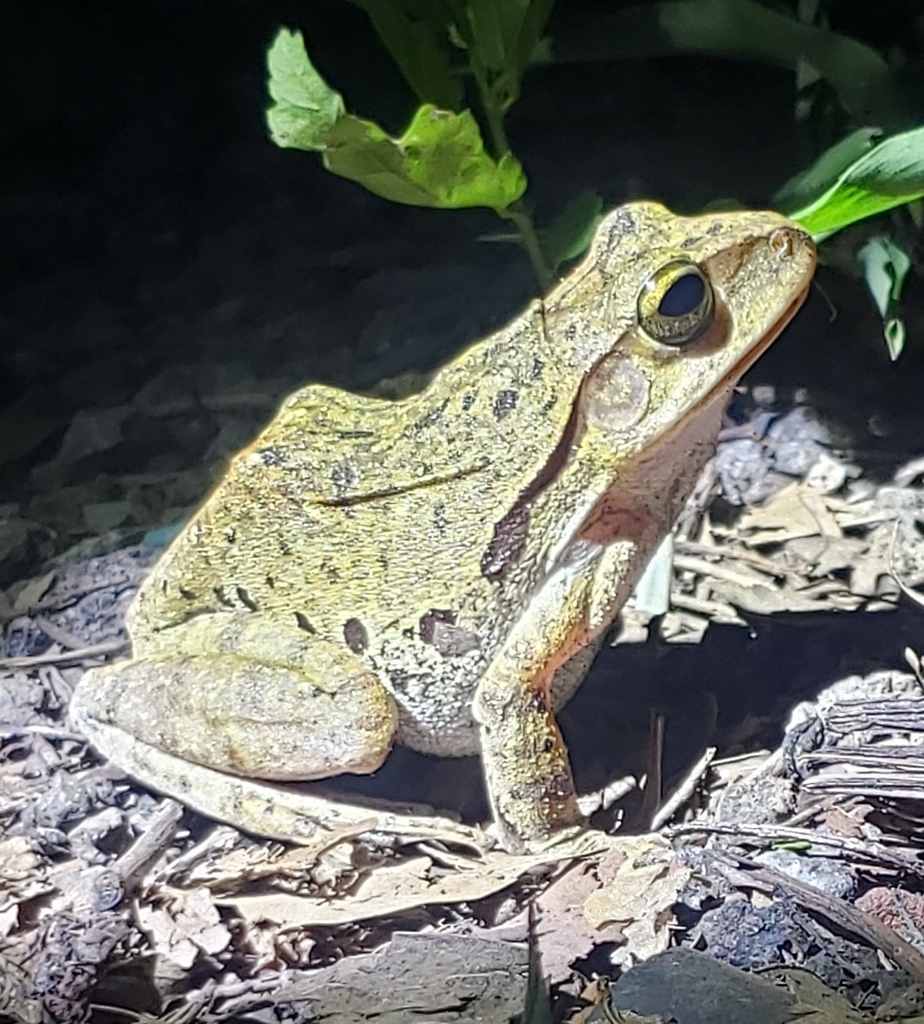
[436,570]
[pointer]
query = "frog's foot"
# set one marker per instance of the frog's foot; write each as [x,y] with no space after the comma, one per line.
[290,814]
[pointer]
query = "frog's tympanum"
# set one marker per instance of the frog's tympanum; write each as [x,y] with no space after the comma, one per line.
[438,571]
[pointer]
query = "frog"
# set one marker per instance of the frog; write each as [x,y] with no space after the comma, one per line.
[437,571]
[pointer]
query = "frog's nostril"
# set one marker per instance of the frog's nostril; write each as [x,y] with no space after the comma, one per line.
[783,241]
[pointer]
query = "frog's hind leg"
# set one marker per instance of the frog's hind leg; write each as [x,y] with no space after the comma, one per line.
[247,694]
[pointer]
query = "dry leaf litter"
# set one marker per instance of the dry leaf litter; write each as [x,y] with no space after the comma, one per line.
[805,855]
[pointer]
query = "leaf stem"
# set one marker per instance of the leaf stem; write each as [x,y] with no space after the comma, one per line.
[517,211]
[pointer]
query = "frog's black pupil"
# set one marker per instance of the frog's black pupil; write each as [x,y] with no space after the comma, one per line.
[683,296]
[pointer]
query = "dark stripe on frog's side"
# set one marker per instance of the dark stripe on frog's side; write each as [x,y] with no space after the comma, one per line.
[506,544]
[430,418]
[386,492]
[508,541]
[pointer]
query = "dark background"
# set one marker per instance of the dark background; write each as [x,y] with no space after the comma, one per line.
[140,191]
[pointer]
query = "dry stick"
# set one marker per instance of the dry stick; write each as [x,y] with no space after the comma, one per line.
[58,634]
[721,611]
[161,827]
[685,790]
[806,814]
[775,833]
[59,603]
[703,567]
[48,732]
[651,794]
[61,657]
[695,547]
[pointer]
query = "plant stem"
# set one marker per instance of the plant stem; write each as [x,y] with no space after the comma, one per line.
[495,121]
[517,211]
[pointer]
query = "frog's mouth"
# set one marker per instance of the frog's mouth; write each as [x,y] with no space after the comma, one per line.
[757,349]
[720,391]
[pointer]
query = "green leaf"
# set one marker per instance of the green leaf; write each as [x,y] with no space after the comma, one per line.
[501,37]
[885,267]
[861,77]
[529,38]
[439,161]
[803,187]
[893,330]
[306,107]
[570,233]
[416,34]
[890,174]
[491,25]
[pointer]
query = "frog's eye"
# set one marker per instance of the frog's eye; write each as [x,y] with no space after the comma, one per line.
[676,303]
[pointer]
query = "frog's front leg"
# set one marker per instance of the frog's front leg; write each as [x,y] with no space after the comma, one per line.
[246,694]
[527,770]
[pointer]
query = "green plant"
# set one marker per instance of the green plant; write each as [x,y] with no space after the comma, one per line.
[445,49]
[859,177]
[465,61]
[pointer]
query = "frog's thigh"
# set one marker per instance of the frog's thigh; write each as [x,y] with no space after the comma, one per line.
[250,695]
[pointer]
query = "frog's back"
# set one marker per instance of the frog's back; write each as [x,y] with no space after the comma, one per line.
[347,504]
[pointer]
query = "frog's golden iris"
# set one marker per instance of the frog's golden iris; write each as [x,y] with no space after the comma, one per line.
[676,303]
